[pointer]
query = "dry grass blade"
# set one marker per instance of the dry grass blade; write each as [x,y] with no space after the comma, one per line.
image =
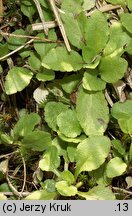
[16,50]
[29,42]
[1,9]
[60,24]
[39,26]
[30,37]
[24,179]
[41,16]
[105,8]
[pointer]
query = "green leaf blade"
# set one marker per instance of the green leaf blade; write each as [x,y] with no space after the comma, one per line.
[91,153]
[50,160]
[52,110]
[96,36]
[43,48]
[15,42]
[91,82]
[98,193]
[112,68]
[17,79]
[117,2]
[41,195]
[117,40]
[122,110]
[68,124]
[59,59]
[37,140]
[25,125]
[92,112]
[126,20]
[65,190]
[76,37]
[115,167]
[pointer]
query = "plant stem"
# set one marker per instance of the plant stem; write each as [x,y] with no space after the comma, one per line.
[105,8]
[41,16]
[79,184]
[120,190]
[16,50]
[60,24]
[56,172]
[39,26]
[30,37]
[1,9]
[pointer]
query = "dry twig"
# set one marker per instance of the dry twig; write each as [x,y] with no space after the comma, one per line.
[14,190]
[108,98]
[16,50]
[60,24]
[1,9]
[120,190]
[30,37]
[24,179]
[29,42]
[105,8]
[41,16]
[7,155]
[24,194]
[39,26]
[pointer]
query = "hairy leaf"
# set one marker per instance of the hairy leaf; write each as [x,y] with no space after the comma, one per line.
[92,112]
[34,61]
[117,40]
[122,110]
[45,75]
[14,42]
[126,20]
[71,140]
[3,49]
[69,83]
[76,37]
[52,110]
[92,82]
[37,140]
[67,176]
[73,6]
[65,190]
[43,48]
[71,151]
[88,4]
[68,123]
[59,59]
[50,160]
[91,153]
[129,47]
[117,2]
[41,195]
[118,146]
[126,125]
[99,175]
[112,68]
[28,10]
[49,185]
[17,79]
[96,36]
[25,125]
[123,113]
[129,3]
[115,167]
[61,146]
[98,193]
